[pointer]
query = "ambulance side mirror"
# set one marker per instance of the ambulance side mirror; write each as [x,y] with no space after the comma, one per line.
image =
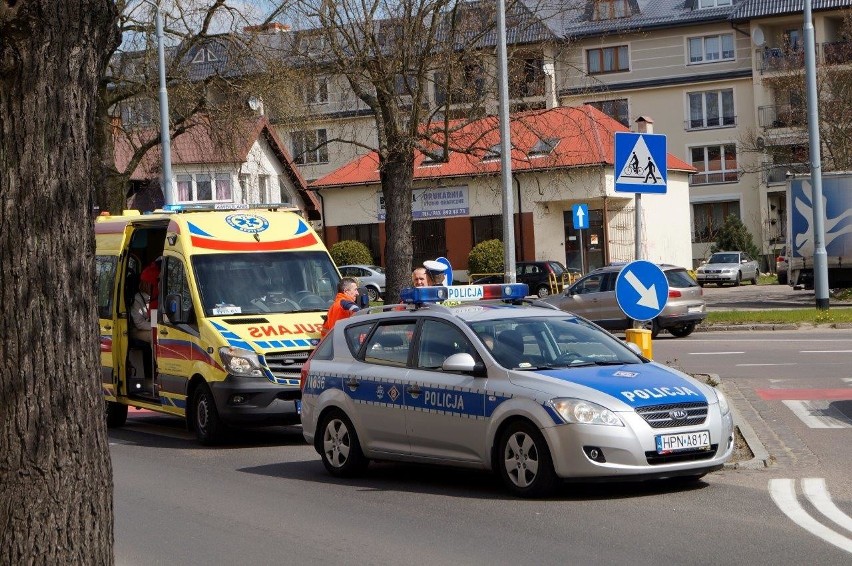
[175,310]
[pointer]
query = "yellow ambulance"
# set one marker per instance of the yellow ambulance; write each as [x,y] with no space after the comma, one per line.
[237,308]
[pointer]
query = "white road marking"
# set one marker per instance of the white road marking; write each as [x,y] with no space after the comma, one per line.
[825,351]
[713,353]
[783,493]
[818,414]
[753,365]
[846,380]
[816,491]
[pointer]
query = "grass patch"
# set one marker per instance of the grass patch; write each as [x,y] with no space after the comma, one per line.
[811,316]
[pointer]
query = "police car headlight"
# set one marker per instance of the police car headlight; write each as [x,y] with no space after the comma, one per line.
[584,412]
[241,362]
[724,408]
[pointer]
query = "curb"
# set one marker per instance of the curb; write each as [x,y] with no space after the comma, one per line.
[761,458]
[761,326]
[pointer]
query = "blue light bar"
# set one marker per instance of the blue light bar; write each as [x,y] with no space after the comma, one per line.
[500,291]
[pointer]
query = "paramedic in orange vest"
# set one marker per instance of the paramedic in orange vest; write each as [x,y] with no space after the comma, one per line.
[344,304]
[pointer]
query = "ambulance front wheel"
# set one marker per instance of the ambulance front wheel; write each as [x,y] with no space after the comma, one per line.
[339,446]
[205,417]
[116,414]
[524,461]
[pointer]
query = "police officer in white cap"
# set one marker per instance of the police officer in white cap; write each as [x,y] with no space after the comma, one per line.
[437,271]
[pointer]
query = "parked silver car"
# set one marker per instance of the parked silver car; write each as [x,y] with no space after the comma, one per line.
[728,267]
[593,298]
[370,276]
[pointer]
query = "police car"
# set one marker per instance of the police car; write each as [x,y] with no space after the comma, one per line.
[536,394]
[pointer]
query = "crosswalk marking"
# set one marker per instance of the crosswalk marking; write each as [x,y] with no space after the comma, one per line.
[818,414]
[783,493]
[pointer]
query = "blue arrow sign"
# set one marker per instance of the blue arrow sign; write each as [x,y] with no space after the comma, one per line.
[640,163]
[641,290]
[581,216]
[449,272]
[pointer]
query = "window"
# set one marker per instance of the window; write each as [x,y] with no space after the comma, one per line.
[309,146]
[705,4]
[544,146]
[439,341]
[177,284]
[607,60]
[389,344]
[612,9]
[367,233]
[263,187]
[315,91]
[711,48]
[429,239]
[283,193]
[715,164]
[711,109]
[487,228]
[708,218]
[105,268]
[615,109]
[204,187]
[204,55]
[466,85]
[526,77]
[137,112]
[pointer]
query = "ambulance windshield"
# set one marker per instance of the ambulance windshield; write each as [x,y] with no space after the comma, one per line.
[259,283]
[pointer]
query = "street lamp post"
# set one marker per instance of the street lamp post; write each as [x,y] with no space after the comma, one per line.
[165,139]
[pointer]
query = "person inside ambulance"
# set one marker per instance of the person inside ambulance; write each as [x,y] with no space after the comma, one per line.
[140,315]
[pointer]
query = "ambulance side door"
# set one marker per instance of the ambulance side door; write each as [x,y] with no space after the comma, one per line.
[106,266]
[178,342]
[445,416]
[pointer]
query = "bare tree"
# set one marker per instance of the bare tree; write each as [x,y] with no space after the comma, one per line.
[420,68]
[219,54]
[55,473]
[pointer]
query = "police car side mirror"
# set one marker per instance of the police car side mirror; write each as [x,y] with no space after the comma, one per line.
[634,348]
[175,310]
[464,363]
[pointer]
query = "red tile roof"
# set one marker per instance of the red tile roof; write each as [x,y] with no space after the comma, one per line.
[204,144]
[585,135]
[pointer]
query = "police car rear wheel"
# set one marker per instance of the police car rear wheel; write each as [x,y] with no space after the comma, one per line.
[339,446]
[524,463]
[208,427]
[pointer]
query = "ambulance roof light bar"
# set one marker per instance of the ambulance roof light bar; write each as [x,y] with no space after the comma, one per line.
[212,206]
[499,291]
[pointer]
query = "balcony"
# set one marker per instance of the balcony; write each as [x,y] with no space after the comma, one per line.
[781,116]
[778,59]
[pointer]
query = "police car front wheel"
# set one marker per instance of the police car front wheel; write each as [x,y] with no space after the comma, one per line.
[339,446]
[524,461]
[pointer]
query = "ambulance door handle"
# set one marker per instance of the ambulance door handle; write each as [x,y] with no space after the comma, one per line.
[107,327]
[353,384]
[413,390]
[164,332]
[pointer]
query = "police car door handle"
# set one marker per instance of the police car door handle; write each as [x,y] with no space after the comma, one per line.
[413,390]
[353,383]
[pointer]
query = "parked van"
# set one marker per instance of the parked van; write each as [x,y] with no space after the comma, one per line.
[242,294]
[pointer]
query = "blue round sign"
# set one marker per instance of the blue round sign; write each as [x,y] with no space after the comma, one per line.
[641,290]
[449,272]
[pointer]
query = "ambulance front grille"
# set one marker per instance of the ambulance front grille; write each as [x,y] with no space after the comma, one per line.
[674,415]
[287,364]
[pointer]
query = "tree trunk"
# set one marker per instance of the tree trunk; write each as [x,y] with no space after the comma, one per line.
[396,174]
[110,185]
[55,472]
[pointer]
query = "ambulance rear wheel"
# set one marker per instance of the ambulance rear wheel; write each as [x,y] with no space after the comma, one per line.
[339,446]
[116,414]
[208,426]
[524,461]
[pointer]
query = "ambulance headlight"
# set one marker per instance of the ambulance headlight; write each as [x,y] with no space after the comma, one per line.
[241,362]
[579,411]
[724,408]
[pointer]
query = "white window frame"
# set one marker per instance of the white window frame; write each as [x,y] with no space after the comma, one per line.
[316,91]
[304,139]
[212,177]
[706,96]
[204,55]
[707,177]
[708,54]
[710,4]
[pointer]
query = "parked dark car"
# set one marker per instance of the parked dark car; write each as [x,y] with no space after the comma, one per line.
[593,297]
[538,275]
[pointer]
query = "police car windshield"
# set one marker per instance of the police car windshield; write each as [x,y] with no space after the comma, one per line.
[261,283]
[551,342]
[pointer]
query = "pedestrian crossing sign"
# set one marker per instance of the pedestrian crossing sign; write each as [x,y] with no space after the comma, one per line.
[640,163]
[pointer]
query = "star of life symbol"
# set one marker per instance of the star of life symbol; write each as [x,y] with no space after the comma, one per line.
[250,223]
[380,392]
[393,393]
